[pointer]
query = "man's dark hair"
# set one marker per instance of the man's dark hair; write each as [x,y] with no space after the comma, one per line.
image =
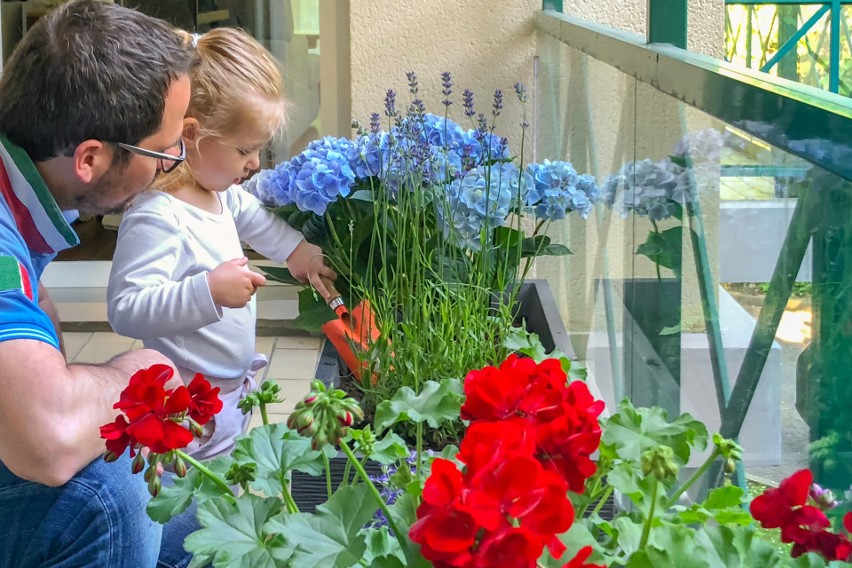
[89,70]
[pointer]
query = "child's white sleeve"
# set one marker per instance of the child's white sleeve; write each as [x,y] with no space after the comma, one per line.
[262,229]
[143,301]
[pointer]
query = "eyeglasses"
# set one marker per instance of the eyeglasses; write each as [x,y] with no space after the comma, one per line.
[168,162]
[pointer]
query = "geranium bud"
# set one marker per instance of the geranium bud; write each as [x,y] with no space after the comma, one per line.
[110,457]
[304,419]
[150,473]
[196,428]
[308,401]
[730,466]
[180,467]
[138,464]
[154,486]
[345,418]
[291,421]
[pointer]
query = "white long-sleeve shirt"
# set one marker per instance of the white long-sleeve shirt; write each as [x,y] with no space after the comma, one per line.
[158,290]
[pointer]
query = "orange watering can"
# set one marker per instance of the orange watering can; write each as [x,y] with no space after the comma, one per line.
[351,332]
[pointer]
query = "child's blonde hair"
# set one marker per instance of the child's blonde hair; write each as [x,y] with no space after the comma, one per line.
[236,84]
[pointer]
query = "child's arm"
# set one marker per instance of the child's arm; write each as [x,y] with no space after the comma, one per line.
[272,237]
[143,299]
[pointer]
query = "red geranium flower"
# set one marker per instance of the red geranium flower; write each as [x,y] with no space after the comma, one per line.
[509,548]
[484,440]
[445,536]
[116,436]
[145,392]
[774,507]
[579,561]
[204,402]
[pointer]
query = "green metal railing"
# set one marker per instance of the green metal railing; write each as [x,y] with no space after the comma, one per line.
[789,34]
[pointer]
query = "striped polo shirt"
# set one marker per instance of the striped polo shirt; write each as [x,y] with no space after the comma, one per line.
[32,231]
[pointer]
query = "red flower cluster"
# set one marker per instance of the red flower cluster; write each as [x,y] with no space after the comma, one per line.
[561,419]
[153,416]
[804,525]
[528,443]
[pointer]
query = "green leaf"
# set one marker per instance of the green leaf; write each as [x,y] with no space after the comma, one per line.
[332,537]
[389,449]
[709,547]
[174,499]
[671,330]
[313,311]
[361,195]
[382,548]
[629,534]
[436,403]
[280,274]
[276,449]
[665,248]
[723,504]
[555,250]
[632,431]
[233,535]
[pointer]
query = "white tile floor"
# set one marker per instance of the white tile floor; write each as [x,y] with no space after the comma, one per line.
[292,361]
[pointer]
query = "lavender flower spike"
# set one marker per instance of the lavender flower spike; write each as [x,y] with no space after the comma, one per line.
[412,82]
[447,84]
[468,103]
[521,92]
[390,103]
[375,126]
[498,103]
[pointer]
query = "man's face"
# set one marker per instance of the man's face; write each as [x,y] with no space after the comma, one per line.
[115,190]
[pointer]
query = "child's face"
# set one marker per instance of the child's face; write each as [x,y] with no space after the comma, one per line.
[220,162]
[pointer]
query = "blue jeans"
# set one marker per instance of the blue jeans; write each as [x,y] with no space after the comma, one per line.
[97,519]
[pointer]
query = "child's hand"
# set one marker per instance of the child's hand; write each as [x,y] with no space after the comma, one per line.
[232,284]
[307,264]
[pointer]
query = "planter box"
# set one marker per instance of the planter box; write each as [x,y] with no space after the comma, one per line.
[536,309]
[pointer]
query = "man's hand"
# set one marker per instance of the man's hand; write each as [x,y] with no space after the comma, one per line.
[307,264]
[232,284]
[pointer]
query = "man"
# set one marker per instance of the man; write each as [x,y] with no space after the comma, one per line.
[91,107]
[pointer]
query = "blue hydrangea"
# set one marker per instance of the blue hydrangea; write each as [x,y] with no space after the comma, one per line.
[312,180]
[480,200]
[365,156]
[649,189]
[268,186]
[558,189]
[441,132]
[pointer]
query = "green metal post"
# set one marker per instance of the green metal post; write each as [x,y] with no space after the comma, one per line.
[788,22]
[834,48]
[555,5]
[667,22]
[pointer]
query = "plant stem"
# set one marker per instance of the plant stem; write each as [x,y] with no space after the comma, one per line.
[375,493]
[646,528]
[292,508]
[327,474]
[695,477]
[203,469]
[345,479]
[263,414]
[604,496]
[419,449]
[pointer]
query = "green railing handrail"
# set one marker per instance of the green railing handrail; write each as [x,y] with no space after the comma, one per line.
[790,116]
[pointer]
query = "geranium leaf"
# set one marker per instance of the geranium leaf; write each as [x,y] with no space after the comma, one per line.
[275,450]
[173,499]
[389,449]
[332,537]
[709,547]
[631,431]
[437,402]
[382,548]
[232,535]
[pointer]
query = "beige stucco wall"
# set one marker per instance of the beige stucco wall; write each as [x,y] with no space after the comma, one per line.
[485,45]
